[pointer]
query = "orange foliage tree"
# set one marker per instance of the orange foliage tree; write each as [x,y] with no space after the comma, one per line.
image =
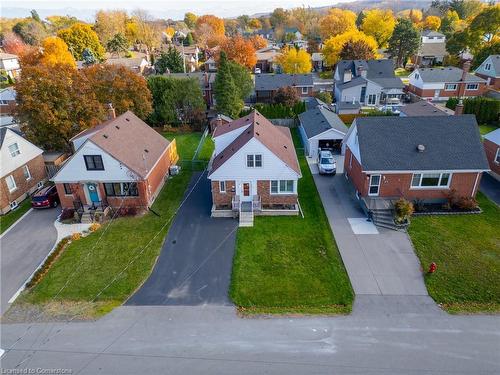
[210,30]
[240,50]
[13,44]
[258,41]
[336,22]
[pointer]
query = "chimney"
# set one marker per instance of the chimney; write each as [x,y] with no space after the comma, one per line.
[459,109]
[361,72]
[111,112]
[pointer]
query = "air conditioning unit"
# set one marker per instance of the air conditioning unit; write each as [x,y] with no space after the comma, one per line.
[174,170]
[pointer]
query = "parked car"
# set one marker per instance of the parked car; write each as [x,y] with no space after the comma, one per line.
[326,162]
[257,71]
[45,197]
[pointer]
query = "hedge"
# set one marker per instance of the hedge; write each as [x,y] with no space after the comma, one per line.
[486,110]
[274,111]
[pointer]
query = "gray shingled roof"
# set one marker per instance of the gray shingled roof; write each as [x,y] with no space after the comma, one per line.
[390,143]
[379,71]
[495,60]
[422,108]
[432,49]
[447,74]
[348,105]
[319,120]
[432,33]
[269,82]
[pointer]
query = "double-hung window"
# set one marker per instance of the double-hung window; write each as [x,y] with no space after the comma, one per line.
[93,162]
[282,187]
[222,186]
[67,189]
[14,150]
[26,172]
[430,180]
[472,86]
[304,90]
[372,99]
[121,189]
[254,160]
[450,86]
[11,183]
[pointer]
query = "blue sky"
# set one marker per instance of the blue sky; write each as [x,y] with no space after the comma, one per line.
[168,8]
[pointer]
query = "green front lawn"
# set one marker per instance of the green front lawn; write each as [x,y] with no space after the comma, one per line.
[485,129]
[291,264]
[186,143]
[12,216]
[207,149]
[466,249]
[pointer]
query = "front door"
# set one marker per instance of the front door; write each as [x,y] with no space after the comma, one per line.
[245,191]
[374,187]
[436,94]
[92,190]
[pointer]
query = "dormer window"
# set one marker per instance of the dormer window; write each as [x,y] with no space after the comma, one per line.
[14,150]
[417,76]
[487,66]
[93,162]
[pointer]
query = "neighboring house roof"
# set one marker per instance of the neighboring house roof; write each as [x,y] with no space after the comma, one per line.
[348,105]
[432,49]
[379,71]
[7,56]
[132,62]
[493,136]
[319,120]
[268,54]
[130,141]
[312,103]
[8,122]
[8,94]
[495,60]
[270,82]
[390,143]
[495,66]
[447,74]
[432,33]
[277,139]
[233,125]
[356,81]
[422,108]
[200,76]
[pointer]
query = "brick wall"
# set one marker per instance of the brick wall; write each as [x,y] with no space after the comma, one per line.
[494,82]
[156,178]
[491,149]
[264,191]
[429,93]
[223,200]
[355,173]
[36,167]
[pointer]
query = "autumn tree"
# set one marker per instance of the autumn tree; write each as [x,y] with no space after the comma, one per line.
[118,44]
[288,96]
[56,104]
[56,23]
[279,18]
[414,15]
[254,23]
[404,41]
[209,29]
[356,50]
[336,22]
[449,23]
[432,23]
[258,42]
[379,23]
[81,36]
[240,50]
[170,61]
[12,43]
[109,23]
[190,20]
[488,49]
[55,52]
[333,46]
[486,24]
[295,61]
[147,32]
[30,31]
[120,86]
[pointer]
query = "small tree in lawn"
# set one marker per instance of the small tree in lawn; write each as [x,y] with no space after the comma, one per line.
[171,61]
[356,50]
[404,41]
[287,96]
[226,92]
[118,44]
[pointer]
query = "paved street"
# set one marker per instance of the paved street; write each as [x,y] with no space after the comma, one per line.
[490,187]
[214,340]
[23,248]
[194,266]
[382,263]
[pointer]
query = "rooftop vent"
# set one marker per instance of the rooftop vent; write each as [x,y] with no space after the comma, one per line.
[127,119]
[116,126]
[257,134]
[105,136]
[285,146]
[420,148]
[146,150]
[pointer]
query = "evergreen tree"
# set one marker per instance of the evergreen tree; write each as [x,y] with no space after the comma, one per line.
[171,61]
[227,94]
[88,57]
[242,77]
[117,44]
[359,19]
[404,42]
[188,41]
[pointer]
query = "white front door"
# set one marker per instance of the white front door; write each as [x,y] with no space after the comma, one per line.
[436,94]
[374,187]
[246,192]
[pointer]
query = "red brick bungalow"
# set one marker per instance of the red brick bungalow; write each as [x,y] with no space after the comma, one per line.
[121,163]
[421,158]
[492,148]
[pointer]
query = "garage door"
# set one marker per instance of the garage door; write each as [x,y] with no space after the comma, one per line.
[333,144]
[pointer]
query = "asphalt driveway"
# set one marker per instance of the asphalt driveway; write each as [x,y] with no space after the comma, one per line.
[23,248]
[194,267]
[490,187]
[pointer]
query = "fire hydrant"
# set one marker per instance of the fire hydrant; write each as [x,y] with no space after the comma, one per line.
[432,268]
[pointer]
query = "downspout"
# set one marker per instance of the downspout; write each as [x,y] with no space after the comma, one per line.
[475,184]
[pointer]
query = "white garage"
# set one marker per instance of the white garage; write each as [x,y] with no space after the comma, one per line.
[321,128]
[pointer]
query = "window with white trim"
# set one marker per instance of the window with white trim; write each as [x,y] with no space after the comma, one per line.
[121,189]
[11,183]
[13,205]
[497,156]
[450,86]
[372,99]
[222,186]
[304,90]
[487,66]
[14,150]
[254,160]
[417,76]
[429,180]
[472,86]
[282,187]
[67,189]
[26,172]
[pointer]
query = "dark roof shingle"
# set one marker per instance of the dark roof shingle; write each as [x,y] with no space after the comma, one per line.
[270,82]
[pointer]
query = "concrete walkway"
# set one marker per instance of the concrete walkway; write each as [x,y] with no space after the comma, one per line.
[379,261]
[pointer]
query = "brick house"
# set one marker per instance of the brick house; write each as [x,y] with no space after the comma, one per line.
[267,58]
[439,84]
[266,85]
[254,168]
[420,158]
[492,148]
[490,71]
[22,170]
[122,163]
[432,49]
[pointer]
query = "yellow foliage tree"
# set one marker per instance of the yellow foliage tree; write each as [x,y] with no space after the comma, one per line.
[254,23]
[336,22]
[333,46]
[414,15]
[55,51]
[432,23]
[295,61]
[379,23]
[170,31]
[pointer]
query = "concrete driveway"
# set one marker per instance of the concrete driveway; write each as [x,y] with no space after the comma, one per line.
[194,267]
[490,187]
[378,261]
[23,248]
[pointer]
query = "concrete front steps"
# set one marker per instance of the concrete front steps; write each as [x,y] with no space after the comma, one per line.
[246,219]
[384,218]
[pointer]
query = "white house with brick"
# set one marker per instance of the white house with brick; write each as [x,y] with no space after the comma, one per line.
[254,169]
